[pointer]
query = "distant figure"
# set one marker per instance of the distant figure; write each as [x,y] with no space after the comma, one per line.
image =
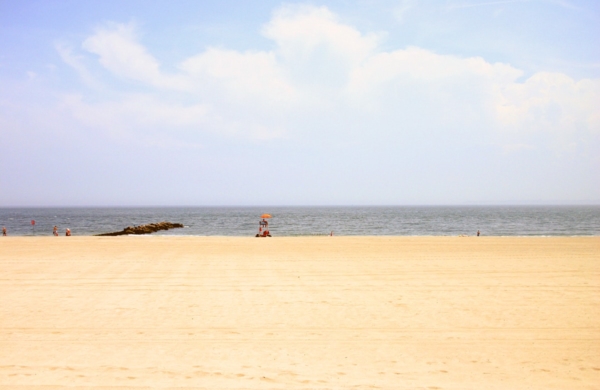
[263,225]
[3,231]
[68,232]
[478,233]
[55,231]
[331,234]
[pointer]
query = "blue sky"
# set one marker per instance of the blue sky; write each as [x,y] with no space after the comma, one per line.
[370,102]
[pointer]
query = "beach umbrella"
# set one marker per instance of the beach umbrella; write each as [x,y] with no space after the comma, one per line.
[266,216]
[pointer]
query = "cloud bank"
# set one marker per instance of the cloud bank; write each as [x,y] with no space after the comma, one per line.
[320,66]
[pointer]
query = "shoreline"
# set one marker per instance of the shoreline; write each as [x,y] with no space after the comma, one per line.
[306,236]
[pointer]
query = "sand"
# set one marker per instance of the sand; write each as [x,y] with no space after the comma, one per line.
[300,313]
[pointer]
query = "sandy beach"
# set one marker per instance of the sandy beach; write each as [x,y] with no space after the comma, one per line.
[300,313]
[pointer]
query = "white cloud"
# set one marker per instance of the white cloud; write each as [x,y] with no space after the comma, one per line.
[120,53]
[76,62]
[551,101]
[315,47]
[248,75]
[299,30]
[324,76]
[425,66]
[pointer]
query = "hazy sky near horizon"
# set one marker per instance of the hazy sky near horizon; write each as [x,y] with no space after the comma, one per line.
[373,102]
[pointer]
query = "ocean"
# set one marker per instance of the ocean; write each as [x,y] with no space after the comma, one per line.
[309,221]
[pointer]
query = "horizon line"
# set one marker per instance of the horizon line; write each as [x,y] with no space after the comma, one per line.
[583,203]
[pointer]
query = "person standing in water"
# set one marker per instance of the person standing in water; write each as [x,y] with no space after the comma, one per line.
[55,230]
[477,233]
[4,231]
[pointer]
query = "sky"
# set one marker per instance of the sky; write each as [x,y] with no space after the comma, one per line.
[372,102]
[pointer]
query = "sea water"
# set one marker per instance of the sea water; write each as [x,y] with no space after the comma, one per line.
[307,221]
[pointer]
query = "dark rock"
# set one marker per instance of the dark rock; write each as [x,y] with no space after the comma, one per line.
[144,229]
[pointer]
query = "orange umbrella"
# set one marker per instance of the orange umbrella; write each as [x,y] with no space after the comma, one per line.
[266,216]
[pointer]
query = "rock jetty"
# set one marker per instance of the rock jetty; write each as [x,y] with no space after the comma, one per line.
[144,229]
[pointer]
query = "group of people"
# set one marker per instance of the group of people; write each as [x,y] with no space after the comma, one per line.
[54,231]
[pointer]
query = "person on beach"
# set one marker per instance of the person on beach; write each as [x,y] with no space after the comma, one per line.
[3,231]
[55,230]
[477,233]
[262,225]
[68,232]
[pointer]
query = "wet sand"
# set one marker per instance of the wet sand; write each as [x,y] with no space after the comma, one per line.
[300,313]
